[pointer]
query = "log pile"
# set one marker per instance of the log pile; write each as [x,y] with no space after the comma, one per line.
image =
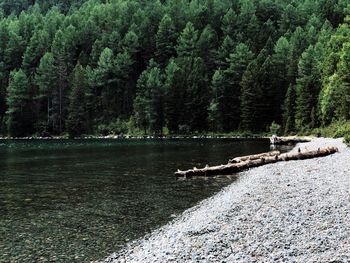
[246,162]
[274,140]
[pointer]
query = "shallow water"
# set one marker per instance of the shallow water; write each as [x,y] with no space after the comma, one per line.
[77,201]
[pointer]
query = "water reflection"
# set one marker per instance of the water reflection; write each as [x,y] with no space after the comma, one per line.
[77,201]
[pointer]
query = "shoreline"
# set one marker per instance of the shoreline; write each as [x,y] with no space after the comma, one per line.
[295,211]
[150,137]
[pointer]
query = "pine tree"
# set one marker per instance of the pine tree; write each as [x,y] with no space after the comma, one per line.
[343,98]
[307,88]
[230,101]
[3,85]
[155,84]
[62,66]
[45,79]
[19,112]
[251,93]
[149,102]
[215,112]
[229,23]
[329,98]
[280,60]
[77,118]
[289,110]
[36,48]
[187,42]
[197,96]
[207,48]
[165,40]
[224,52]
[174,84]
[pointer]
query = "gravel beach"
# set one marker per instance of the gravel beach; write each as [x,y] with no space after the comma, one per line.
[296,211]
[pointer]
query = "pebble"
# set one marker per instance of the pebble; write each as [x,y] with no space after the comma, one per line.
[296,211]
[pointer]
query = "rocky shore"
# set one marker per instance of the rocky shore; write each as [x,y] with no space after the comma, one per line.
[296,211]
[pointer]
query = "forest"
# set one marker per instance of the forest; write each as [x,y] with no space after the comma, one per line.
[172,67]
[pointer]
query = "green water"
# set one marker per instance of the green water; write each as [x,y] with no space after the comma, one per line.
[77,201]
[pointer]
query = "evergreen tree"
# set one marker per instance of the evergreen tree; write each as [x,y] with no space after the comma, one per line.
[155,84]
[77,118]
[141,103]
[215,118]
[19,111]
[165,40]
[251,93]
[207,48]
[343,98]
[149,103]
[45,79]
[289,110]
[37,47]
[224,52]
[307,89]
[229,23]
[174,84]
[197,96]
[187,42]
[229,101]
[280,60]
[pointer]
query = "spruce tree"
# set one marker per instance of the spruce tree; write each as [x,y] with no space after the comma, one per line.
[174,84]
[77,117]
[280,60]
[230,101]
[187,42]
[207,48]
[343,98]
[251,93]
[229,23]
[19,111]
[197,96]
[289,110]
[307,89]
[45,79]
[165,40]
[155,84]
[149,103]
[215,112]
[224,52]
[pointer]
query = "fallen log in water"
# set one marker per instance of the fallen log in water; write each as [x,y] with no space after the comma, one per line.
[253,157]
[232,168]
[286,140]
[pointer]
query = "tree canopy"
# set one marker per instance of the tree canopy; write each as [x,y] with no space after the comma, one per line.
[99,67]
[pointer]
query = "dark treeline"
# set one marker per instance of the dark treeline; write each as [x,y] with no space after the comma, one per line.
[177,66]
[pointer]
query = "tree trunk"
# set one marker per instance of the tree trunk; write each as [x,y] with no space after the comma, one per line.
[286,140]
[246,163]
[253,157]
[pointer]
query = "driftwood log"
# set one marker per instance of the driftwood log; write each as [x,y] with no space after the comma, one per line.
[286,140]
[246,163]
[253,157]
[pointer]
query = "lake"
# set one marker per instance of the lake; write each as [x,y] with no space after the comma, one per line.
[80,200]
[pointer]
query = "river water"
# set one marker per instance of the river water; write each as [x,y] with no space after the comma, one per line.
[77,201]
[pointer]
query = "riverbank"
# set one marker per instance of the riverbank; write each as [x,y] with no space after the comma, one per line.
[297,211]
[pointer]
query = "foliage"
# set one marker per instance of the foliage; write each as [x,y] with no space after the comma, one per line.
[347,139]
[275,128]
[337,129]
[132,66]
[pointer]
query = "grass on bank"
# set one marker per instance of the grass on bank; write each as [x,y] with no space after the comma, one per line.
[338,129]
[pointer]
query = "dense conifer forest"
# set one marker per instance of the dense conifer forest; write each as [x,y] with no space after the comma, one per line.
[176,66]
